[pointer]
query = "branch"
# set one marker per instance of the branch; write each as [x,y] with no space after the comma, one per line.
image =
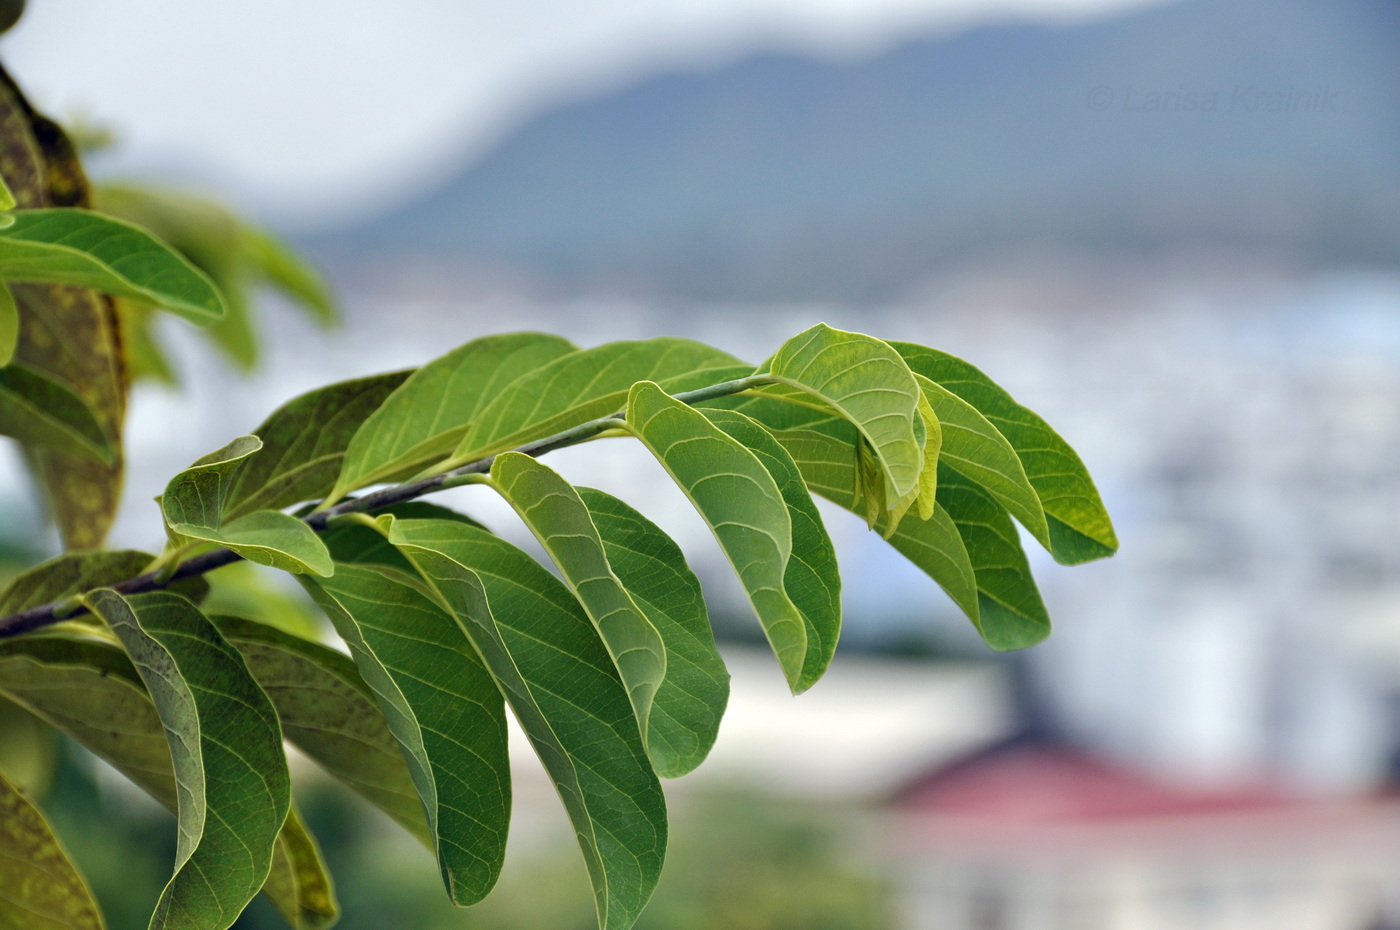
[47,614]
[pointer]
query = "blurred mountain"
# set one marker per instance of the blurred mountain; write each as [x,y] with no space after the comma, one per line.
[1256,126]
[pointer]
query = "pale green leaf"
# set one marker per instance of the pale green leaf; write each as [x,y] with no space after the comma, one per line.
[39,887]
[554,513]
[589,384]
[285,270]
[298,884]
[304,443]
[79,247]
[194,502]
[686,713]
[1079,525]
[739,500]
[865,381]
[90,691]
[226,747]
[562,685]
[329,713]
[40,411]
[9,325]
[934,545]
[812,579]
[973,447]
[420,423]
[7,197]
[441,706]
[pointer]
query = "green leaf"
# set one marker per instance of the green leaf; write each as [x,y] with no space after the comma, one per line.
[585,385]
[686,713]
[90,691]
[742,504]
[1011,612]
[194,501]
[1079,525]
[352,541]
[303,445]
[934,545]
[422,421]
[443,708]
[79,247]
[812,579]
[554,513]
[7,198]
[39,887]
[556,674]
[226,747]
[298,883]
[869,384]
[973,447]
[40,411]
[289,273]
[329,713]
[9,325]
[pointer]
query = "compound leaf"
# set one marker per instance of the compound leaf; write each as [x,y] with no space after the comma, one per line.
[226,748]
[1079,526]
[686,713]
[549,663]
[589,384]
[441,706]
[555,514]
[422,421]
[739,500]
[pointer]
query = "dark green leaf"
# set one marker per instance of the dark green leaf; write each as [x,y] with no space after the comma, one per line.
[421,422]
[40,411]
[551,666]
[194,501]
[589,384]
[739,500]
[39,887]
[1080,528]
[330,714]
[226,747]
[86,249]
[80,571]
[553,511]
[686,713]
[443,708]
[303,445]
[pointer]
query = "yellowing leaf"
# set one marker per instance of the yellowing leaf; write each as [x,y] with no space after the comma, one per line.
[39,887]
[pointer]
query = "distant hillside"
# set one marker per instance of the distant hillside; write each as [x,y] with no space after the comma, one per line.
[1267,125]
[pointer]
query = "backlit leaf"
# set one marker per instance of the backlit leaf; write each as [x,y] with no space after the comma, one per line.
[86,249]
[303,445]
[9,325]
[84,570]
[298,883]
[739,500]
[553,511]
[1079,526]
[421,422]
[442,707]
[868,383]
[40,411]
[544,654]
[589,384]
[39,887]
[688,706]
[226,747]
[194,501]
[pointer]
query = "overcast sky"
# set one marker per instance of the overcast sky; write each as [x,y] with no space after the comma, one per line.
[305,109]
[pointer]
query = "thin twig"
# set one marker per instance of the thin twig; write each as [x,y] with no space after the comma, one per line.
[46,614]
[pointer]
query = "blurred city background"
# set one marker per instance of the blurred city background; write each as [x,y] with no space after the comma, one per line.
[1173,228]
